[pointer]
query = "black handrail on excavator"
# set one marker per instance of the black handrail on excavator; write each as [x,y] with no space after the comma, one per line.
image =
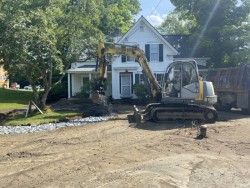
[131,51]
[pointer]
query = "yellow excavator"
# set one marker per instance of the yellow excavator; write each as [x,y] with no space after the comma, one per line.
[181,96]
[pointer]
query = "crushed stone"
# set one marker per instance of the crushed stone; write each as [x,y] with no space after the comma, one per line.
[51,126]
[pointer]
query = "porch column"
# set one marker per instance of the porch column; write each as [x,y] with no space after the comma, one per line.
[90,78]
[69,85]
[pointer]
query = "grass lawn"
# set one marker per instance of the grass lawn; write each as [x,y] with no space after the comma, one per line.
[13,99]
[16,99]
[38,118]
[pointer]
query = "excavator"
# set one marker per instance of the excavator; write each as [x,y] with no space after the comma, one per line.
[181,96]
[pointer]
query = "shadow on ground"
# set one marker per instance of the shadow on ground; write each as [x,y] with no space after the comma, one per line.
[168,125]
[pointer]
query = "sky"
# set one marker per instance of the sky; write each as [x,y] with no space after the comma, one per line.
[155,10]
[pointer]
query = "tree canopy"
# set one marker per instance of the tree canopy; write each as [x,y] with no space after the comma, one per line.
[174,24]
[222,29]
[42,38]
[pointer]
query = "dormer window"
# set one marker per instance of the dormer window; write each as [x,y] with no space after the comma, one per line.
[141,28]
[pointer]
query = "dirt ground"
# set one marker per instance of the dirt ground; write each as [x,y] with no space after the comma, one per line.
[117,154]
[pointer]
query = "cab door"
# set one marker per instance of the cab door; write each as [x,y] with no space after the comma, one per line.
[190,81]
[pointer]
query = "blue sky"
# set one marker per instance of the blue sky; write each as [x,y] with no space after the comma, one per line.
[155,10]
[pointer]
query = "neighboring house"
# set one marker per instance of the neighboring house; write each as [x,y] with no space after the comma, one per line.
[4,82]
[125,72]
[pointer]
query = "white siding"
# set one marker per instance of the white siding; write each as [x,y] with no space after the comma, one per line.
[141,38]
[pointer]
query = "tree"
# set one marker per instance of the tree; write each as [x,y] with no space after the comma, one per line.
[221,31]
[174,24]
[42,38]
[118,14]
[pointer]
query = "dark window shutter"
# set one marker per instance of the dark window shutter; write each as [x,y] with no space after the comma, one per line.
[147,51]
[124,58]
[137,78]
[161,52]
[120,83]
[132,89]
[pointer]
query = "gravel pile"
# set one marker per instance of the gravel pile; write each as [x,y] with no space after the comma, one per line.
[50,126]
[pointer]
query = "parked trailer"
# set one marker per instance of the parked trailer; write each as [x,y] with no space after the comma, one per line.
[232,86]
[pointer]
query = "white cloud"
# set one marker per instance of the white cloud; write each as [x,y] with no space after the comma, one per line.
[155,20]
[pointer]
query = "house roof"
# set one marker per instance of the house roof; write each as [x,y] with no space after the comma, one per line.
[182,44]
[143,20]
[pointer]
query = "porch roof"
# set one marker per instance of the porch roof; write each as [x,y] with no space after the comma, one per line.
[81,70]
[85,69]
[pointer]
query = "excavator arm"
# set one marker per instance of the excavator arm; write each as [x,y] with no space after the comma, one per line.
[126,50]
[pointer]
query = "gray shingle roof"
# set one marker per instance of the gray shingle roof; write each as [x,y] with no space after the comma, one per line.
[182,44]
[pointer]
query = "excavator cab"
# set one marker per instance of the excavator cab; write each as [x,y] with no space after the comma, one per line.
[181,81]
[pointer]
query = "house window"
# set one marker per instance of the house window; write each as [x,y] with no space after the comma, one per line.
[85,80]
[139,79]
[159,78]
[127,59]
[130,59]
[154,52]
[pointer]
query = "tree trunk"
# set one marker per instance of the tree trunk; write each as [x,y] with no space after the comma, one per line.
[44,98]
[41,97]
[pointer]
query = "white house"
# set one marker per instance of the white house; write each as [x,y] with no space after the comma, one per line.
[124,71]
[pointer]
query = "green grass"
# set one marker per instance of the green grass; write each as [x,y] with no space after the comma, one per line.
[38,118]
[17,99]
[12,99]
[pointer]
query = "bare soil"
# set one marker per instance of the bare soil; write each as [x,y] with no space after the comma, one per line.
[118,154]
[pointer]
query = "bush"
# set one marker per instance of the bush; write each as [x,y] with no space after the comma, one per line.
[57,92]
[86,89]
[141,92]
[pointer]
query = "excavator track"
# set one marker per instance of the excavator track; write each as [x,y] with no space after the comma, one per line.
[162,113]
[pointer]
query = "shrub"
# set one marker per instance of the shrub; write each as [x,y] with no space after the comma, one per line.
[141,92]
[86,89]
[57,92]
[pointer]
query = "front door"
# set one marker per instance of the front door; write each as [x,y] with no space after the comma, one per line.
[126,85]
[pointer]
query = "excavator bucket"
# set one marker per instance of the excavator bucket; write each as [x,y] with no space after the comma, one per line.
[98,98]
[136,117]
